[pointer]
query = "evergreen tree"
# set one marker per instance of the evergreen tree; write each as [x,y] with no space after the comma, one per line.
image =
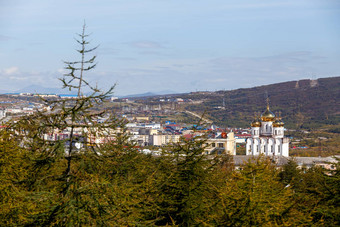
[290,173]
[63,179]
[317,194]
[184,183]
[14,203]
[254,196]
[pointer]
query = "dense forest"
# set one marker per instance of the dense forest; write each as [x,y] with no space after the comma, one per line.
[117,185]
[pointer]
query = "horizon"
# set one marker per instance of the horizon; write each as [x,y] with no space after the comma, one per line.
[151,46]
[61,91]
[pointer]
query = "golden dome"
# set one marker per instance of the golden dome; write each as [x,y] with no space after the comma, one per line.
[256,122]
[282,123]
[278,121]
[268,115]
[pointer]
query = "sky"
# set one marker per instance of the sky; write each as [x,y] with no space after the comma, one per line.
[170,45]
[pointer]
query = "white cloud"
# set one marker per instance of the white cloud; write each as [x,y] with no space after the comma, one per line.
[61,71]
[18,78]
[11,70]
[254,71]
[13,79]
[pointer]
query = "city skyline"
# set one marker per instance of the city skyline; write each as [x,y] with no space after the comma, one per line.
[151,46]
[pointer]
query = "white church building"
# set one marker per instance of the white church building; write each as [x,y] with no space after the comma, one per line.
[267,136]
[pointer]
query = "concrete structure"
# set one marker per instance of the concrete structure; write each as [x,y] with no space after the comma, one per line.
[327,163]
[2,114]
[224,144]
[141,119]
[267,136]
[141,140]
[147,131]
[160,140]
[144,125]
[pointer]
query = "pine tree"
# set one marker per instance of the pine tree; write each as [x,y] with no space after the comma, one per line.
[317,194]
[14,205]
[290,173]
[64,177]
[254,196]
[184,183]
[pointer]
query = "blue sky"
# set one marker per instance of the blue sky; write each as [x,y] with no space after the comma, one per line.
[182,46]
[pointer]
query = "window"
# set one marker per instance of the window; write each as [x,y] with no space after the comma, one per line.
[213,144]
[220,145]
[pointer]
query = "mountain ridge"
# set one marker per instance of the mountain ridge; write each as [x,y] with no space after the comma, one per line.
[306,103]
[37,89]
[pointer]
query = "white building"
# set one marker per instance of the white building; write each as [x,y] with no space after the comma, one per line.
[267,136]
[2,114]
[161,140]
[226,144]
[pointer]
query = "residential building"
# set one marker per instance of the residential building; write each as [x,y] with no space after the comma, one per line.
[223,144]
[161,140]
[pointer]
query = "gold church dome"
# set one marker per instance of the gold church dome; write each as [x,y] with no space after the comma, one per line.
[278,121]
[282,123]
[256,122]
[268,115]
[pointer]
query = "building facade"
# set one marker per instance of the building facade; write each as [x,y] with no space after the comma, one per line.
[267,136]
[163,139]
[224,144]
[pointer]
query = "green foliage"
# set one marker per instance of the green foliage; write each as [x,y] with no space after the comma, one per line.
[185,184]
[14,205]
[253,196]
[318,191]
[290,173]
[63,180]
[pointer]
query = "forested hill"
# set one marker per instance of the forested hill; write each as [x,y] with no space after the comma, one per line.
[304,103]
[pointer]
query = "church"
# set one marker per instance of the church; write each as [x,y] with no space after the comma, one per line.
[267,136]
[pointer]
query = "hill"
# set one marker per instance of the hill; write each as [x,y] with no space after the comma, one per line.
[304,103]
[37,89]
[148,94]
